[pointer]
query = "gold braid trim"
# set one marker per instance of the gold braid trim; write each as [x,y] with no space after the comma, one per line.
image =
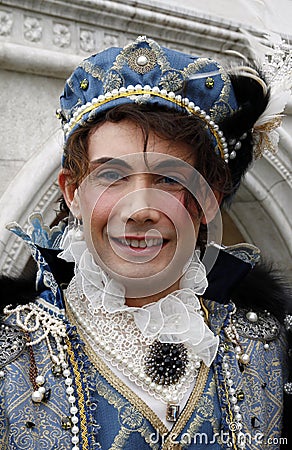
[231,419]
[123,389]
[81,401]
[139,404]
[115,382]
[188,409]
[205,310]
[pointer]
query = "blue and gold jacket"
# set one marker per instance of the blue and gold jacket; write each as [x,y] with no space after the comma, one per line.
[108,414]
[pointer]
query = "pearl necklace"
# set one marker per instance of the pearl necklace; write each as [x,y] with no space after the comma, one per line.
[116,338]
[33,319]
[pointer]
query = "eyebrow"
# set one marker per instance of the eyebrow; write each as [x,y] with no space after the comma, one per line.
[108,159]
[172,163]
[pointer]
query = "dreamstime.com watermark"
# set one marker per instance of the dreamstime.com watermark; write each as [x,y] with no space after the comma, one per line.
[223,437]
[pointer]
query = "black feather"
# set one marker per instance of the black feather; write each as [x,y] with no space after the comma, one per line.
[252,102]
[264,288]
[15,291]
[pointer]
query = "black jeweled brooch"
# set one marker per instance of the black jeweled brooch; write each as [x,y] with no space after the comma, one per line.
[166,363]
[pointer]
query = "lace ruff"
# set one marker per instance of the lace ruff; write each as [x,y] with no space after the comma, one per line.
[117,339]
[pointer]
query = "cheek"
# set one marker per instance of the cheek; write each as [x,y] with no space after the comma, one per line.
[186,220]
[96,210]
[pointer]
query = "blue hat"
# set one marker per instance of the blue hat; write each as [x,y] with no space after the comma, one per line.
[145,73]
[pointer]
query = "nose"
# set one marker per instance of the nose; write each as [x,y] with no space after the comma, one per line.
[140,207]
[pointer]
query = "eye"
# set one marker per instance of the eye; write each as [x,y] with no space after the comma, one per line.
[169,180]
[172,182]
[108,176]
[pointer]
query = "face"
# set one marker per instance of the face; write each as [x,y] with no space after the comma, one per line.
[133,210]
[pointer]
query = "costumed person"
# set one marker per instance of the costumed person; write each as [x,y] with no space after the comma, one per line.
[144,331]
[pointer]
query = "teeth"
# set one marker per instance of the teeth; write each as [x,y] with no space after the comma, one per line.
[141,243]
[154,242]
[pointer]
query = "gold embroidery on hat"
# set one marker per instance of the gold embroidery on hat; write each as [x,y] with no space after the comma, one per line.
[222,107]
[71,84]
[112,80]
[172,80]
[124,55]
[94,71]
[220,110]
[142,60]
[197,66]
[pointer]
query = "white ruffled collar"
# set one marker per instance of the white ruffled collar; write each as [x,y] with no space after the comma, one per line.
[175,318]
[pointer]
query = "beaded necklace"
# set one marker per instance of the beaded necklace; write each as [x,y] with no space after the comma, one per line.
[165,371]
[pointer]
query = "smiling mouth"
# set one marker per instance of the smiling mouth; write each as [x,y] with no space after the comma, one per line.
[141,243]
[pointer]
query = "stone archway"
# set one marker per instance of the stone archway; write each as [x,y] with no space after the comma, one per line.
[262,210]
[34,189]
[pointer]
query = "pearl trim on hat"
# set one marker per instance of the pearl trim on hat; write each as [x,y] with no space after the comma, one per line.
[146,92]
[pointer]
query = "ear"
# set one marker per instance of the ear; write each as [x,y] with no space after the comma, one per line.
[69,191]
[212,207]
